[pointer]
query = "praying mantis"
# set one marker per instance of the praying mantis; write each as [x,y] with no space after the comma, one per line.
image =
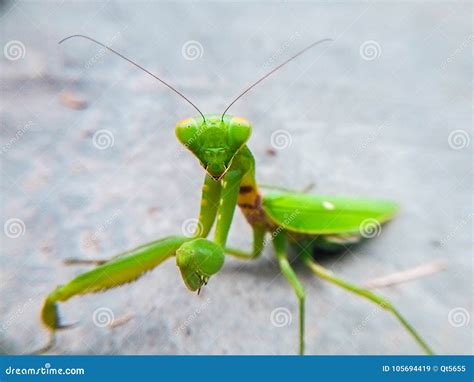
[284,219]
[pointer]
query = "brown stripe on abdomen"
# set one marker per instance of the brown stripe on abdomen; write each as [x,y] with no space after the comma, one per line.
[252,209]
[247,205]
[245,189]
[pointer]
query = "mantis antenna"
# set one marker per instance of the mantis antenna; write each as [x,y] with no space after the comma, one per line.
[138,66]
[273,71]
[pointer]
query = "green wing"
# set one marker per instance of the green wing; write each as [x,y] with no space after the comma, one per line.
[327,215]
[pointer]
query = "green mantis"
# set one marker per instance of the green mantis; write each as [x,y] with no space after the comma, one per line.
[282,219]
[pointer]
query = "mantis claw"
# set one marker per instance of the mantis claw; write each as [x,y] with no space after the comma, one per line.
[198,260]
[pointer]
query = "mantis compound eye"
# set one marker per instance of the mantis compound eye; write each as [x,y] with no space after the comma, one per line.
[198,260]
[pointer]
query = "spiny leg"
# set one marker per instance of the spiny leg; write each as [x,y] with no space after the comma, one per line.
[279,242]
[84,261]
[81,261]
[123,269]
[258,244]
[327,275]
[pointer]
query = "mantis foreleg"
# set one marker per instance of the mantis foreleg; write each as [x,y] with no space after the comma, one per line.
[369,295]
[211,192]
[227,203]
[120,270]
[279,242]
[258,245]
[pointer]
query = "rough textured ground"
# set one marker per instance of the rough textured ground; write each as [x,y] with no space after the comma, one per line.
[383,111]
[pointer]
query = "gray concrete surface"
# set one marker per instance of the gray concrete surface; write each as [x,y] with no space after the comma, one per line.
[385,111]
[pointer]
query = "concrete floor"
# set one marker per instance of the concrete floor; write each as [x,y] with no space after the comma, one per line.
[384,111]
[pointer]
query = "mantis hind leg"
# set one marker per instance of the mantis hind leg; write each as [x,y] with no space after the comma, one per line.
[327,275]
[122,269]
[279,242]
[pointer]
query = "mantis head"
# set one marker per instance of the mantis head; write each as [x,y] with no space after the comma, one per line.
[198,260]
[214,141]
